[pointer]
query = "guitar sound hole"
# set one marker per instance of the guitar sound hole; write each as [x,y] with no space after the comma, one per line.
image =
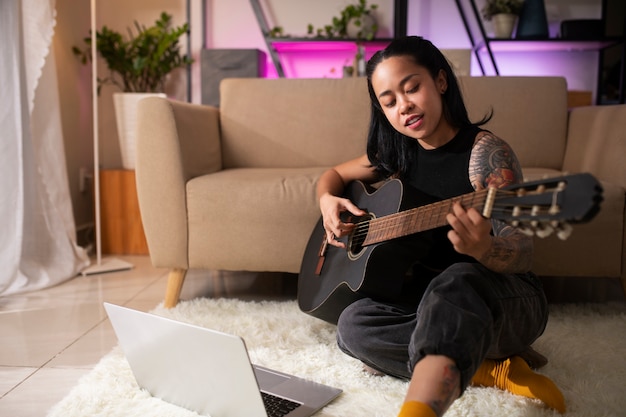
[357,237]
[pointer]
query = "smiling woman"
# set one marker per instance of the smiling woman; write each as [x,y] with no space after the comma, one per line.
[438,326]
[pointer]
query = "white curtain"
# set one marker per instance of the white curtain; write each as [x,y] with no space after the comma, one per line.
[37,234]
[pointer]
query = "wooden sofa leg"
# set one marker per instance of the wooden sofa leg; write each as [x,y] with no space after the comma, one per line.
[175,281]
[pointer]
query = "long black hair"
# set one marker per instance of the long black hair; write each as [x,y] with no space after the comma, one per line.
[388,150]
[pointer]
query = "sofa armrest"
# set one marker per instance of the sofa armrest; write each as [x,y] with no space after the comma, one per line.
[176,141]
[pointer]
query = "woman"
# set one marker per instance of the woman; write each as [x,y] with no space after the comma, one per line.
[471,306]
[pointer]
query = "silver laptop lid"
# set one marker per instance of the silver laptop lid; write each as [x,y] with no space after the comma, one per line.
[205,371]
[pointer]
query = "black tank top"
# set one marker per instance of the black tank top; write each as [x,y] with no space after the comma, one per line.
[443,173]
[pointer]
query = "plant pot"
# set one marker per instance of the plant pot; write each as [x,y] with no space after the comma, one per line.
[126,118]
[503,25]
[361,27]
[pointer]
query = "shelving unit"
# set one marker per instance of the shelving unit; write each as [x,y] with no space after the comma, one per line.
[284,45]
[482,43]
[276,46]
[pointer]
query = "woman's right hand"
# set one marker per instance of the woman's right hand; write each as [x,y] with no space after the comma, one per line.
[331,207]
[332,184]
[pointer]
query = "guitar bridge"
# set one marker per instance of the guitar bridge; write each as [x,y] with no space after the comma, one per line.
[321,256]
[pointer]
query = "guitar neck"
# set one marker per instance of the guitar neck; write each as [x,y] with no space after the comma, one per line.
[421,218]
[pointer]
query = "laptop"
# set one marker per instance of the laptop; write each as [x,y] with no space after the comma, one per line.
[207,371]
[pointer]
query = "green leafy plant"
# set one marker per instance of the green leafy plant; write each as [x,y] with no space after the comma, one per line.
[494,7]
[278,32]
[355,13]
[141,63]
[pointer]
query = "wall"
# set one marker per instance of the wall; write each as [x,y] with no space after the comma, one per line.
[232,24]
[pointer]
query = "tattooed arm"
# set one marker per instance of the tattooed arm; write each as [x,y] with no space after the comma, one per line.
[494,164]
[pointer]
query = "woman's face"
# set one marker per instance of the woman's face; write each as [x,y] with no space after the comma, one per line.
[412,100]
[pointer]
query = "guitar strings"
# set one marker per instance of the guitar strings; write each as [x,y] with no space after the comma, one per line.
[425,217]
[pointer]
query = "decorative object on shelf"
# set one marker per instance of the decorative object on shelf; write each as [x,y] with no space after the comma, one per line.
[503,25]
[582,29]
[533,21]
[363,27]
[357,69]
[138,66]
[359,62]
[504,15]
[355,21]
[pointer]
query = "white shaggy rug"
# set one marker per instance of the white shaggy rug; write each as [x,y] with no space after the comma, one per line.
[586,345]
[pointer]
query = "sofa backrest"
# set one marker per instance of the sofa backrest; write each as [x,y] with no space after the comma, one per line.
[530,113]
[597,142]
[322,122]
[292,122]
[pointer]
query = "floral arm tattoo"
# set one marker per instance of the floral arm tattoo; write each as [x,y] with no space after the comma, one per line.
[494,164]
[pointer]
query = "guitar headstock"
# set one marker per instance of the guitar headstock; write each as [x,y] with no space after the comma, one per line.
[549,205]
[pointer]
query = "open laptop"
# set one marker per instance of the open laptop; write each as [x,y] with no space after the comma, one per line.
[207,371]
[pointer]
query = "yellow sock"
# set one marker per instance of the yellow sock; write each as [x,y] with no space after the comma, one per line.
[514,375]
[416,409]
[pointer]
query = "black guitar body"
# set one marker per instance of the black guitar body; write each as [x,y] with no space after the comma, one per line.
[376,270]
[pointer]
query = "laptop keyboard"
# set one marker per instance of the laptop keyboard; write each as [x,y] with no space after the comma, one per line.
[277,406]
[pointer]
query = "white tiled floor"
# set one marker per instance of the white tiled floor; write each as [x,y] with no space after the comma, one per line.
[50,338]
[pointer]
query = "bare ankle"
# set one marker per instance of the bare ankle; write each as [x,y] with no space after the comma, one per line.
[436,382]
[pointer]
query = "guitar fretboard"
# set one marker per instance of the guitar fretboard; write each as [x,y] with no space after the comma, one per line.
[416,220]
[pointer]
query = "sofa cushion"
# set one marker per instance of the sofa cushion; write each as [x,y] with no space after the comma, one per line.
[261,212]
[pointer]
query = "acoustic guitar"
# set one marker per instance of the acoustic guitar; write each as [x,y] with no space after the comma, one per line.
[395,233]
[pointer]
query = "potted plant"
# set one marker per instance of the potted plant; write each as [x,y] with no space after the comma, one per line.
[354,21]
[504,14]
[138,66]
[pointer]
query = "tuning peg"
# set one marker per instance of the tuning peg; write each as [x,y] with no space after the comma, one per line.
[527,231]
[544,232]
[563,231]
[541,229]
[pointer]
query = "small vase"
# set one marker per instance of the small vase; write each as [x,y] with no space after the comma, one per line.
[533,21]
[503,25]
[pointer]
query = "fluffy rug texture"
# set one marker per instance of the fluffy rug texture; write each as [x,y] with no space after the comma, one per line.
[586,345]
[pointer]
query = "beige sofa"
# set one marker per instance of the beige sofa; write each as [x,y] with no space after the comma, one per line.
[233,188]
